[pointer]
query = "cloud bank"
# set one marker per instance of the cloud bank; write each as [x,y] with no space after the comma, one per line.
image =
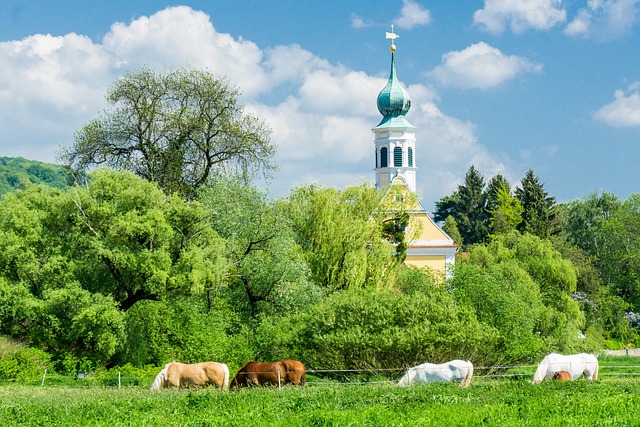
[321,114]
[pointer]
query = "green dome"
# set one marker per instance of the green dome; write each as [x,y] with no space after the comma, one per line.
[393,100]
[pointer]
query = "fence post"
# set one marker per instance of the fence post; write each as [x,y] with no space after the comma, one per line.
[44,376]
[118,379]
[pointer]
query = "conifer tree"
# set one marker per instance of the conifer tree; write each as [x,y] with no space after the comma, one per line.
[537,205]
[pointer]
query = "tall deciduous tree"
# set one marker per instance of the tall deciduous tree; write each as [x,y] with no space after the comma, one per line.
[537,216]
[342,243]
[266,267]
[176,129]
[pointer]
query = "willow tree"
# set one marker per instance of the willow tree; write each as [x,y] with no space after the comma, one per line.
[176,129]
[342,242]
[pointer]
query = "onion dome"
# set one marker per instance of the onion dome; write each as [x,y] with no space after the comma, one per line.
[393,100]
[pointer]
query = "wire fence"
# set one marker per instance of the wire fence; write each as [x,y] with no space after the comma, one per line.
[315,377]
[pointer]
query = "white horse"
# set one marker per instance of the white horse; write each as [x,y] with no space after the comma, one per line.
[456,370]
[576,365]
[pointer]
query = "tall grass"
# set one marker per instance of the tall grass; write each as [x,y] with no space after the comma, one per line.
[486,402]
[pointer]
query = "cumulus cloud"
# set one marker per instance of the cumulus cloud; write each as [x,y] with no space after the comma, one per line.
[605,19]
[321,114]
[519,15]
[359,22]
[480,66]
[624,110]
[412,14]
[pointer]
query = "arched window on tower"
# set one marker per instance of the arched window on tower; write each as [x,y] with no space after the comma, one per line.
[410,155]
[376,158]
[397,157]
[383,157]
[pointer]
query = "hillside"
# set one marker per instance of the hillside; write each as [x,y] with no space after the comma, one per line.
[16,172]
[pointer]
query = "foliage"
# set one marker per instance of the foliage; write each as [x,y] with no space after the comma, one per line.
[72,260]
[468,207]
[537,215]
[176,129]
[266,266]
[186,329]
[620,262]
[365,328]
[18,361]
[16,173]
[342,244]
[506,211]
[450,227]
[521,281]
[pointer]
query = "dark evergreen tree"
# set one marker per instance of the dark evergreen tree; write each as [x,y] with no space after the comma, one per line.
[538,215]
[472,217]
[468,206]
[496,185]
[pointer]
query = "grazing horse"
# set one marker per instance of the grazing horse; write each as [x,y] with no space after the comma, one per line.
[562,376]
[200,374]
[576,365]
[269,373]
[456,370]
[295,372]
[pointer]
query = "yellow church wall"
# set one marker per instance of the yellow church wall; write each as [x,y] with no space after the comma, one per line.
[435,262]
[427,229]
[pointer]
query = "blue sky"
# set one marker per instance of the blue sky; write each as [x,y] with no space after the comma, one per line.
[551,85]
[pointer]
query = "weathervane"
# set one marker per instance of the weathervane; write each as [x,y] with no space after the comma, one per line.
[393,36]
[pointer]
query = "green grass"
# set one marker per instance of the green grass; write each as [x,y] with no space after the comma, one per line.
[614,401]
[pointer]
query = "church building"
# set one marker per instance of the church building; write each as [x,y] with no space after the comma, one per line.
[395,172]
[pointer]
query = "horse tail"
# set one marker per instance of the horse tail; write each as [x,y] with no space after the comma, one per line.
[595,372]
[225,380]
[467,378]
[158,383]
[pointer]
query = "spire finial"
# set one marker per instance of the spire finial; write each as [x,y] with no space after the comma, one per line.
[393,36]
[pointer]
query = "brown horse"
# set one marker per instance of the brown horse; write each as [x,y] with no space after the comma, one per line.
[197,375]
[295,372]
[269,373]
[562,376]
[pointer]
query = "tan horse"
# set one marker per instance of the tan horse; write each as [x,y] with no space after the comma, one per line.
[562,376]
[197,375]
[269,373]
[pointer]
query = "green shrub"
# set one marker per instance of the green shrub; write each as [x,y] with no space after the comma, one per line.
[365,329]
[17,361]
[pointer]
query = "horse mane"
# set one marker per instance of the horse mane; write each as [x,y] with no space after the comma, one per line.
[160,378]
[225,382]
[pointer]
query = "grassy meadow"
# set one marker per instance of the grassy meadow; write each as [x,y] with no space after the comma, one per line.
[612,401]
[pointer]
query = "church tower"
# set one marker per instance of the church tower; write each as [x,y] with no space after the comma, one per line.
[394,136]
[427,244]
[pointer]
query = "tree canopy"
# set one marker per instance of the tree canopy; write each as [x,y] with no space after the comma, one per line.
[176,129]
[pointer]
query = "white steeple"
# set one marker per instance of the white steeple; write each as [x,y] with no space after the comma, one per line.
[394,136]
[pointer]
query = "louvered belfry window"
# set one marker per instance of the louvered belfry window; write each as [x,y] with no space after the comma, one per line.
[383,157]
[410,155]
[397,157]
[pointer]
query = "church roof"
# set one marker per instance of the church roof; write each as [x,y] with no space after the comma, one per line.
[393,99]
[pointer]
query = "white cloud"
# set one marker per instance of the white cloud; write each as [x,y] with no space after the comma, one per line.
[605,19]
[580,24]
[359,22]
[624,110]
[321,114]
[480,66]
[412,14]
[519,15]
